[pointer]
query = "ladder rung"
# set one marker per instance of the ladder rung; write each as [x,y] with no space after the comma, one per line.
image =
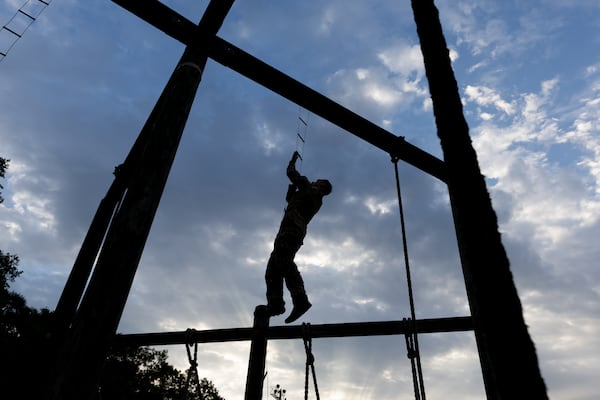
[11,31]
[23,24]
[301,138]
[304,122]
[27,15]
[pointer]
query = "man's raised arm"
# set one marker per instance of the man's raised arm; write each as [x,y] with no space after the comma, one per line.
[295,177]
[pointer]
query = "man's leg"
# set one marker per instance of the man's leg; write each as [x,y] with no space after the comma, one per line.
[274,281]
[295,285]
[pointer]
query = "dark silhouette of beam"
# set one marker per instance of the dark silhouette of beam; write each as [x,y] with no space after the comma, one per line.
[437,325]
[225,53]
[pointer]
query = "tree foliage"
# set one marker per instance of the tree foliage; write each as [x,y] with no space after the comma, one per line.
[139,373]
[3,168]
[144,374]
[12,305]
[8,270]
[207,391]
[23,337]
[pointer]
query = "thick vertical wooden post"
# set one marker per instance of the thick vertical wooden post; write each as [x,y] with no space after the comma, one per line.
[508,357]
[81,355]
[82,268]
[85,346]
[258,354]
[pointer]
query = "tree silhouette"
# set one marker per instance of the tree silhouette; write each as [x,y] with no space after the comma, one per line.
[142,373]
[3,168]
[139,374]
[8,262]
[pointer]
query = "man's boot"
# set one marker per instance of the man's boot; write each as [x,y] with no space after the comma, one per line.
[301,305]
[275,307]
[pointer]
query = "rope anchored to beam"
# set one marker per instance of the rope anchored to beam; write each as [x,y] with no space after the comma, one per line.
[412,342]
[192,372]
[310,361]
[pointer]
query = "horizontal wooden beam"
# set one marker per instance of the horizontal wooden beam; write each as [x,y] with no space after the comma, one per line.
[225,53]
[436,325]
[249,66]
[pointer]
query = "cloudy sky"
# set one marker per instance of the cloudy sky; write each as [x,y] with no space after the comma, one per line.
[78,86]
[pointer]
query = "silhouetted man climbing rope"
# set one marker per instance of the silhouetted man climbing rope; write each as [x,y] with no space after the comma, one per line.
[304,199]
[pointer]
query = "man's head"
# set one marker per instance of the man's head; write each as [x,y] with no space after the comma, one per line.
[323,185]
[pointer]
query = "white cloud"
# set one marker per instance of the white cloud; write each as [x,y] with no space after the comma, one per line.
[592,69]
[327,19]
[397,84]
[486,96]
[378,207]
[27,199]
[345,255]
[548,198]
[382,95]
[403,59]
[365,84]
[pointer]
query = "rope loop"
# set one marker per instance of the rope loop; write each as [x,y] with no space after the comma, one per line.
[192,372]
[189,336]
[310,360]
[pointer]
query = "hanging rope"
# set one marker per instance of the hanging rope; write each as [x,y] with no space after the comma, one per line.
[192,372]
[310,361]
[412,342]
